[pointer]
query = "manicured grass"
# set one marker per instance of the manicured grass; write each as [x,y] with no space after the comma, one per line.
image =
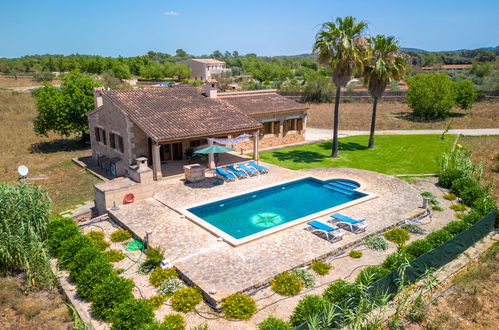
[393,154]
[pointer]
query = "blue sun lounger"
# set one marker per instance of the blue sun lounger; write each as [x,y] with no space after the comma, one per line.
[236,172]
[355,226]
[224,175]
[246,169]
[320,227]
[257,167]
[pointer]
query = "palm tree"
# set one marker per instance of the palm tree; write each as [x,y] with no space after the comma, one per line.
[340,46]
[382,63]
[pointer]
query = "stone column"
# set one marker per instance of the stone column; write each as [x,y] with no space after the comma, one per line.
[156,162]
[211,157]
[281,129]
[255,145]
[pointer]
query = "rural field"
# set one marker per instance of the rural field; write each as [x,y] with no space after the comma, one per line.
[6,82]
[398,115]
[48,157]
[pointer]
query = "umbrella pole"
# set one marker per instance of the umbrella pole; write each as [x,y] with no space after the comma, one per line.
[211,157]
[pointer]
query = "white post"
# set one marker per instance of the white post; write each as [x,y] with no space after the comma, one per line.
[255,145]
[156,162]
[211,157]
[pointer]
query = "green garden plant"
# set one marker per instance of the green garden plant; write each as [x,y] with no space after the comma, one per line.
[438,237]
[70,247]
[455,227]
[376,243]
[60,229]
[82,258]
[397,235]
[114,255]
[186,299]
[132,314]
[371,274]
[169,286]
[286,284]
[397,259]
[108,294]
[320,267]
[155,302]
[239,306]
[174,322]
[418,247]
[464,94]
[120,235]
[450,197]
[96,272]
[339,291]
[159,275]
[306,278]
[307,306]
[458,207]
[355,254]
[413,229]
[98,238]
[272,323]
[154,258]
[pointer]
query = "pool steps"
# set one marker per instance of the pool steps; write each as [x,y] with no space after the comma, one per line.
[337,188]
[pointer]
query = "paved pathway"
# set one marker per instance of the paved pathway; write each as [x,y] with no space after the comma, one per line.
[326,134]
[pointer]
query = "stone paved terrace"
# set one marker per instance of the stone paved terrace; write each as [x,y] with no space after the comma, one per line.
[220,269]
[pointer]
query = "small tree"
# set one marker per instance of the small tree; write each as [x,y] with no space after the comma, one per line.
[64,111]
[464,94]
[430,95]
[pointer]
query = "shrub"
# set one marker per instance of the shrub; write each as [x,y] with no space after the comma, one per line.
[417,248]
[120,235]
[339,291]
[438,237]
[396,259]
[461,184]
[286,284]
[320,267]
[306,278]
[376,243]
[92,275]
[448,176]
[111,292]
[308,306]
[473,193]
[355,254]
[430,95]
[272,323]
[98,238]
[169,286]
[458,207]
[371,274]
[414,229]
[157,301]
[43,76]
[186,299]
[437,208]
[473,217]
[160,275]
[58,231]
[70,247]
[397,235]
[450,197]
[239,306]
[464,94]
[154,259]
[132,314]
[174,322]
[114,255]
[82,258]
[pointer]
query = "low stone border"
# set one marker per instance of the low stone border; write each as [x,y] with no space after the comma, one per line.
[85,167]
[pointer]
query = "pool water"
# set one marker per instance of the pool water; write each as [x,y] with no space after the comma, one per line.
[254,212]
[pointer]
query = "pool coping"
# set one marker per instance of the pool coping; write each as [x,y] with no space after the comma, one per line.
[220,234]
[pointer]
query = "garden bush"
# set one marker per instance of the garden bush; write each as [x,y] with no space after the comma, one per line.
[174,322]
[98,238]
[186,299]
[417,248]
[132,314]
[339,291]
[461,184]
[286,284]
[473,193]
[371,274]
[154,259]
[397,235]
[464,94]
[430,95]
[458,207]
[93,274]
[58,231]
[120,235]
[448,176]
[320,267]
[397,259]
[413,229]
[306,278]
[307,306]
[82,258]
[114,255]
[355,254]
[239,306]
[272,323]
[455,227]
[109,293]
[376,243]
[169,286]
[455,165]
[450,197]
[70,247]
[155,302]
[159,275]
[438,237]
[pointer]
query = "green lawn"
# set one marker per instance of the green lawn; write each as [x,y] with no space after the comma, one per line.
[393,154]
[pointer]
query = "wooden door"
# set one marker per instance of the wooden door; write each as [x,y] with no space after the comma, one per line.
[177,151]
[165,152]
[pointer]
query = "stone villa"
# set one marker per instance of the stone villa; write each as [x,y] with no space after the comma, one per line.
[204,68]
[163,124]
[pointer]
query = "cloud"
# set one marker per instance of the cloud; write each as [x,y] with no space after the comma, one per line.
[171,13]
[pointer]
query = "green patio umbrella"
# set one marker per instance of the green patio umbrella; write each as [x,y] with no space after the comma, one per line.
[213,149]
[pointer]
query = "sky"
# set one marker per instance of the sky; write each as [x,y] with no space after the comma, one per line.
[271,27]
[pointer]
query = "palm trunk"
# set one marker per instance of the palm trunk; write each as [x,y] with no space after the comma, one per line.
[334,152]
[373,124]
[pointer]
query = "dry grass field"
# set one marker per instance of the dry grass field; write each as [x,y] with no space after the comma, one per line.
[6,82]
[48,157]
[398,115]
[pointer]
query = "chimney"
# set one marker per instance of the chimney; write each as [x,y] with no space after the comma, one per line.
[211,88]
[98,96]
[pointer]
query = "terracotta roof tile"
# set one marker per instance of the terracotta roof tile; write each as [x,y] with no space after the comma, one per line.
[261,103]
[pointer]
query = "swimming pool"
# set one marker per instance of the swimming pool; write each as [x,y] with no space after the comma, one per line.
[252,215]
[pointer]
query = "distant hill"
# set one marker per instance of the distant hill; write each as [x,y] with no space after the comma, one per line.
[407,49]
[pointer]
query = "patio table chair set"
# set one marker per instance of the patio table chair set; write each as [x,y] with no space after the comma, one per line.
[342,222]
[240,171]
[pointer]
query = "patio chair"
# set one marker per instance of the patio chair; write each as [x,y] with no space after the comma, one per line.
[247,169]
[355,226]
[257,167]
[236,172]
[331,233]
[224,175]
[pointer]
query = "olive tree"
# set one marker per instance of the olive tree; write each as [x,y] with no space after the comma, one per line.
[430,95]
